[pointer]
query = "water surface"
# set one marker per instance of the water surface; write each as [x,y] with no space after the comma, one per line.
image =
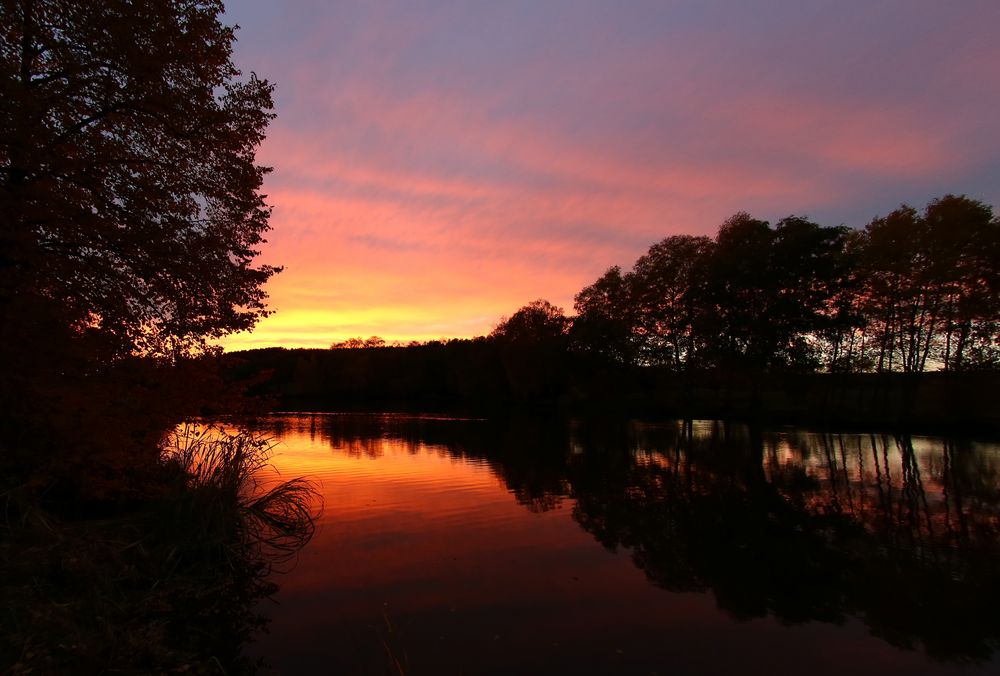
[461,546]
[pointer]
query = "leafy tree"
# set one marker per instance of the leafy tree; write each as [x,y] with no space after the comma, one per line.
[603,323]
[667,296]
[737,292]
[901,307]
[965,265]
[931,284]
[129,191]
[532,345]
[841,339]
[130,218]
[358,343]
[539,322]
[770,290]
[813,280]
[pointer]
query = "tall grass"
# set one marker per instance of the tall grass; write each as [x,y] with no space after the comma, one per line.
[166,585]
[233,500]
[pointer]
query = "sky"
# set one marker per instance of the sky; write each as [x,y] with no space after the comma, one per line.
[437,165]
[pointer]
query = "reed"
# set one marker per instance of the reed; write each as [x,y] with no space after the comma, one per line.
[233,498]
[168,585]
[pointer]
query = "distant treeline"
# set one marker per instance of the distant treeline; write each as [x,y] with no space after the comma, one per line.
[910,292]
[486,376]
[796,322]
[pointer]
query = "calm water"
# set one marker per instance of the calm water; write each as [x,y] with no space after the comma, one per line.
[518,547]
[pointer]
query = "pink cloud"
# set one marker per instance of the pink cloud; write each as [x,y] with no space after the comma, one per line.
[431,209]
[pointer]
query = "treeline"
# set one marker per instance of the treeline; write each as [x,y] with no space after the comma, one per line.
[797,322]
[911,291]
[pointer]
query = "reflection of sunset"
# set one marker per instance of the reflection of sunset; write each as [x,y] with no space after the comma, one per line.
[426,184]
[510,548]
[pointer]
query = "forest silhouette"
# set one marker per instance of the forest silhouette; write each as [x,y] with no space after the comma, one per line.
[895,324]
[130,219]
[909,292]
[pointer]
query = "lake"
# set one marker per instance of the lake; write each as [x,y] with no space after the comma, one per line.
[539,546]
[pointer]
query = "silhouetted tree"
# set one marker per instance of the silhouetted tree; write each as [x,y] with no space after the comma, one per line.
[538,322]
[770,290]
[668,285]
[130,218]
[603,322]
[358,343]
[532,344]
[965,264]
[901,308]
[128,186]
[813,282]
[842,341]
[931,285]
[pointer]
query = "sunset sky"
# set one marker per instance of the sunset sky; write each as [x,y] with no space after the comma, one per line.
[440,164]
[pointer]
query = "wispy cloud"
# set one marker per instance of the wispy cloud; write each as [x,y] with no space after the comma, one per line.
[439,164]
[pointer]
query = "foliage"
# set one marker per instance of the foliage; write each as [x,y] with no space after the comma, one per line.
[537,322]
[359,343]
[668,295]
[228,505]
[128,187]
[907,291]
[930,284]
[131,217]
[602,324]
[167,587]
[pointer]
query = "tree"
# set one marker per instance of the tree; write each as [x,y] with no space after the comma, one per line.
[813,275]
[770,290]
[842,338]
[965,246]
[358,343]
[129,192]
[738,294]
[603,323]
[532,346]
[667,292]
[537,323]
[931,283]
[901,308]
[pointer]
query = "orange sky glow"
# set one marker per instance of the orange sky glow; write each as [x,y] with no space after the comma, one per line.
[438,165]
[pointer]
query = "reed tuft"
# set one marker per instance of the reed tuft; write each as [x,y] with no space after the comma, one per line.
[234,498]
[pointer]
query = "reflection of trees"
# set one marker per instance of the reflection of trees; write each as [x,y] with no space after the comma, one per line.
[901,533]
[810,531]
[697,519]
[519,450]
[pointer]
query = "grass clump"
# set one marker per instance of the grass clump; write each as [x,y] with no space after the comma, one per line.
[168,585]
[232,500]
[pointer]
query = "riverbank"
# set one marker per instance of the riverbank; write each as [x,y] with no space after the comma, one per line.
[482,378]
[101,595]
[163,584]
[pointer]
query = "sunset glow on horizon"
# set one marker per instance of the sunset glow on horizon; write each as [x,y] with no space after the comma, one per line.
[439,164]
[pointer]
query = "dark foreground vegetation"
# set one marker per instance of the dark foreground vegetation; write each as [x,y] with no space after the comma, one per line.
[130,217]
[169,583]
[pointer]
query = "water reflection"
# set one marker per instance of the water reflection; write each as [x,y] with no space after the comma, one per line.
[898,534]
[812,527]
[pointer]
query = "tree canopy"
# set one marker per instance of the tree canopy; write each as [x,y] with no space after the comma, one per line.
[538,322]
[129,192]
[910,291]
